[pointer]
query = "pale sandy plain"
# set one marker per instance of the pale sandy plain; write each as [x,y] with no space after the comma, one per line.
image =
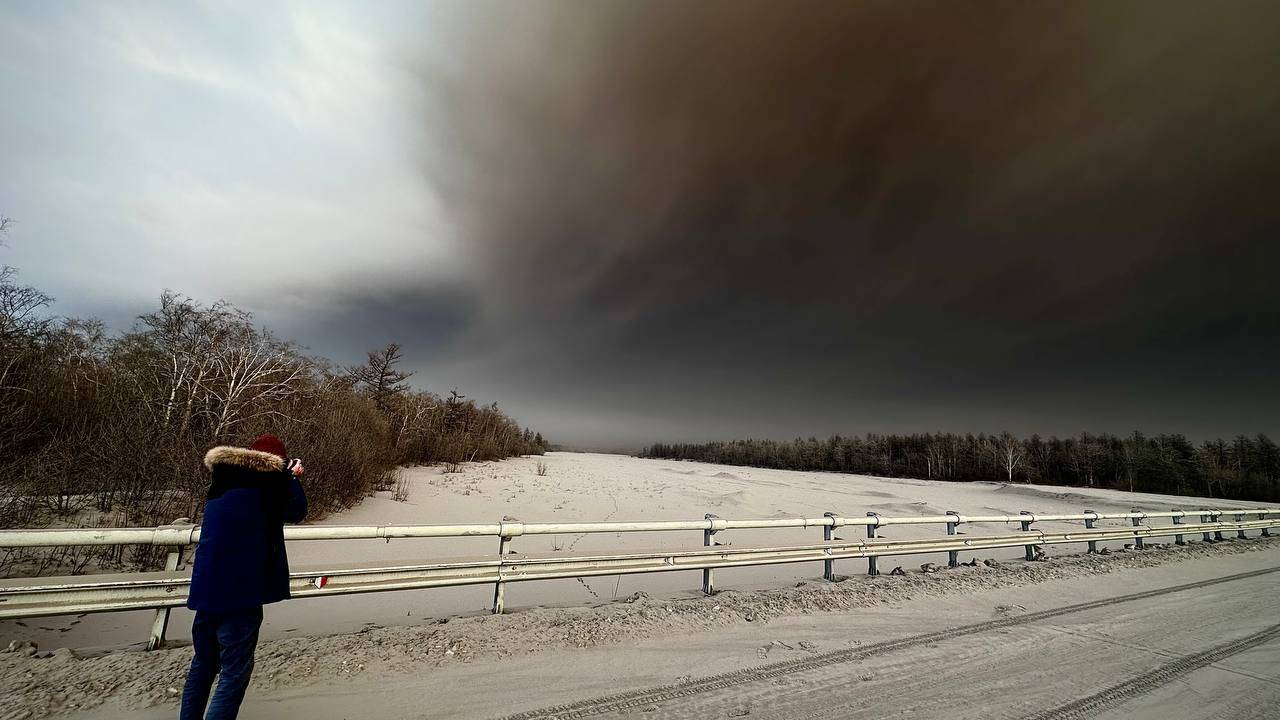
[595,487]
[1127,629]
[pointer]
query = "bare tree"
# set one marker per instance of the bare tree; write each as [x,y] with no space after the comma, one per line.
[23,330]
[380,378]
[1084,456]
[254,374]
[415,416]
[178,345]
[935,458]
[1010,454]
[20,306]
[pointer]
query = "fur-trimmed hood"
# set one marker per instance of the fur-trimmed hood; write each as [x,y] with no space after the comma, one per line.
[243,457]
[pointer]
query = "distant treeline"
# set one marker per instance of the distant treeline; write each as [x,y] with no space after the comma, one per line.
[1243,468]
[111,428]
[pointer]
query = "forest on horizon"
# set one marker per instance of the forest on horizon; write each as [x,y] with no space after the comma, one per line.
[1244,468]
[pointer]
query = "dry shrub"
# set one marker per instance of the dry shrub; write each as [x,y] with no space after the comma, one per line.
[106,430]
[401,491]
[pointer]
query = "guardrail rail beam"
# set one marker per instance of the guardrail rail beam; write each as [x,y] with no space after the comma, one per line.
[161,591]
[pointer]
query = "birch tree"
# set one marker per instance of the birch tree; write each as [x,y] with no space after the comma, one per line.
[1011,454]
[253,375]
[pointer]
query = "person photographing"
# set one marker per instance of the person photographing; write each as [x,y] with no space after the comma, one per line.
[240,565]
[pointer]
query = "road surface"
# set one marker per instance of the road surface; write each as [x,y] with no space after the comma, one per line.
[1198,638]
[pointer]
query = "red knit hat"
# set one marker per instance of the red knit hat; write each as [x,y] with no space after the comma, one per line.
[270,444]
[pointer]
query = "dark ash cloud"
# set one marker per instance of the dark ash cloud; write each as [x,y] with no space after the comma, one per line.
[754,218]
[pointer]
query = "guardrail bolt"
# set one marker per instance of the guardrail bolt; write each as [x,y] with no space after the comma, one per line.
[708,540]
[1026,527]
[871,533]
[1266,532]
[829,534]
[953,556]
[1178,539]
[1088,525]
[1240,532]
[1137,539]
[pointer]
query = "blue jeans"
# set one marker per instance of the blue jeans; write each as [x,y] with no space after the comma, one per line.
[224,642]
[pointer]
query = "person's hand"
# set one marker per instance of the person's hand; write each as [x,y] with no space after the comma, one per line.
[295,466]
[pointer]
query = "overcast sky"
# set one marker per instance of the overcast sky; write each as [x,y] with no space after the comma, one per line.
[639,221]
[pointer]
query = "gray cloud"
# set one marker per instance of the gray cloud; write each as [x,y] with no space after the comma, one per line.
[224,150]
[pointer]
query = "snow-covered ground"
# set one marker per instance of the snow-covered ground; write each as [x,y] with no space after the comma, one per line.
[584,486]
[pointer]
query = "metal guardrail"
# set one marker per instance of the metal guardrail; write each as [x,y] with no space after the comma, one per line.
[36,597]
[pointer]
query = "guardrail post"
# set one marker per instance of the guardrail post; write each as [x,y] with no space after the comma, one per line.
[1088,525]
[953,556]
[1266,532]
[1240,532]
[500,587]
[871,533]
[160,624]
[1216,518]
[1204,519]
[1137,540]
[1178,539]
[828,534]
[709,539]
[1026,527]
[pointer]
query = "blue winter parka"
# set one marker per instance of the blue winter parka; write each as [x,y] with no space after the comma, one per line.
[240,562]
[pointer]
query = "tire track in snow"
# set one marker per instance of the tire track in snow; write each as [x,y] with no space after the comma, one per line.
[664,693]
[1146,682]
